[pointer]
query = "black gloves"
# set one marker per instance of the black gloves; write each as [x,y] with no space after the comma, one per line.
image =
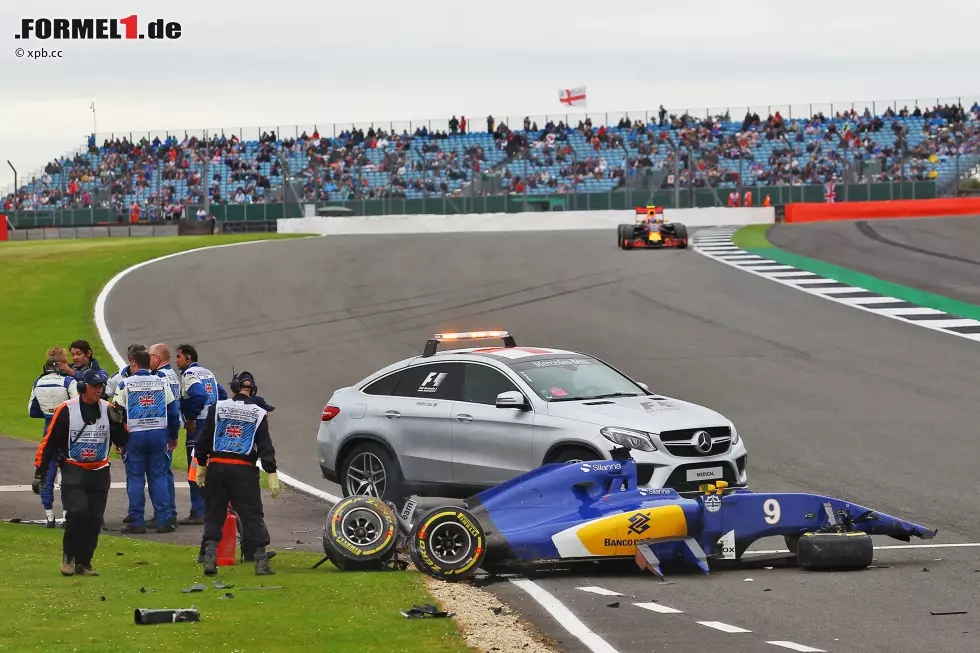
[38,483]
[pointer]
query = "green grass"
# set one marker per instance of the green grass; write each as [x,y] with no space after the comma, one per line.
[47,296]
[317,610]
[752,237]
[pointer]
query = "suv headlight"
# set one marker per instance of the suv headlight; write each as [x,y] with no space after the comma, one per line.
[735,438]
[628,438]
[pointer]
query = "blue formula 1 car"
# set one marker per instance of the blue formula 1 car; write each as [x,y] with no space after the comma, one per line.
[565,512]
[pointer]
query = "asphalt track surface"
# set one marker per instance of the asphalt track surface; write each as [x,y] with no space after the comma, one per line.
[829,399]
[938,255]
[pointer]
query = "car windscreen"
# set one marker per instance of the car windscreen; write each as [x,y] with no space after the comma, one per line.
[573,378]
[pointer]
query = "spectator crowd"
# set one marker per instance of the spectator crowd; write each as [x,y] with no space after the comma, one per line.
[157,178]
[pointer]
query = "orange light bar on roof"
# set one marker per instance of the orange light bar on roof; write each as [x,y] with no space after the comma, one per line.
[433,343]
[471,335]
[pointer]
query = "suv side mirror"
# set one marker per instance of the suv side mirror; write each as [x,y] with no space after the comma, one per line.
[643,385]
[511,399]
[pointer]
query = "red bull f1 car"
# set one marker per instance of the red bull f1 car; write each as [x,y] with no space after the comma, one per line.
[568,512]
[651,230]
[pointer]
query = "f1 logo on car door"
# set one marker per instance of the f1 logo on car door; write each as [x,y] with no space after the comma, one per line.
[432,382]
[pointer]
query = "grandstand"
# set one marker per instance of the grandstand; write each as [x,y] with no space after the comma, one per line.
[155,176]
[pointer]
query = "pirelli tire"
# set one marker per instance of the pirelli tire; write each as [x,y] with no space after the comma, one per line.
[624,235]
[360,533]
[834,551]
[447,543]
[680,232]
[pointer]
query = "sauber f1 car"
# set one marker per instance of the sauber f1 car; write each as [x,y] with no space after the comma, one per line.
[569,512]
[651,230]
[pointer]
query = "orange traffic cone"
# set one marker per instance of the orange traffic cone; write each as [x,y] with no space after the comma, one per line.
[229,540]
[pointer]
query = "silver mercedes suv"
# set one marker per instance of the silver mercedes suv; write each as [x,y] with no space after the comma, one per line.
[453,423]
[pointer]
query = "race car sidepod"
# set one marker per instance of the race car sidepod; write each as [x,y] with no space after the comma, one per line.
[593,510]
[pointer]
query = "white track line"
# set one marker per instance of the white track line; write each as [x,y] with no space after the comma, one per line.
[916,310]
[793,646]
[725,628]
[792,275]
[103,329]
[804,282]
[564,616]
[599,590]
[656,607]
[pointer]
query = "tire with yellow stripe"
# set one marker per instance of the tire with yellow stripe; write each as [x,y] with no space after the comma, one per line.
[448,543]
[360,533]
[837,551]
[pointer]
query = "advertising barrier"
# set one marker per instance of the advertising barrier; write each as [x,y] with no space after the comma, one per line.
[538,221]
[99,231]
[879,210]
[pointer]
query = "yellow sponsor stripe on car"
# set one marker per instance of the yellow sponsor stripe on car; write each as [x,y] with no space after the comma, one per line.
[617,535]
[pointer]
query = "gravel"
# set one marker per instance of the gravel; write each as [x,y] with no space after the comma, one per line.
[474,611]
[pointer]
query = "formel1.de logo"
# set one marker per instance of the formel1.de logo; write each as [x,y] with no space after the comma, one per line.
[83,29]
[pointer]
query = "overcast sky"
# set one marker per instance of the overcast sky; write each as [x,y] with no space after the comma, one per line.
[305,62]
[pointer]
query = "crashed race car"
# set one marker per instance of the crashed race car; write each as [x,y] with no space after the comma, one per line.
[570,512]
[651,230]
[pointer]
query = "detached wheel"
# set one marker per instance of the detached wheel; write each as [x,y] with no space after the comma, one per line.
[369,470]
[840,551]
[447,543]
[360,533]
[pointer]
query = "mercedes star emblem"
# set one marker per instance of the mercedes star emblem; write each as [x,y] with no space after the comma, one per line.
[702,440]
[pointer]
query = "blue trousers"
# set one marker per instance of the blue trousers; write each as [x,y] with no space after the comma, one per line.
[147,461]
[47,495]
[170,484]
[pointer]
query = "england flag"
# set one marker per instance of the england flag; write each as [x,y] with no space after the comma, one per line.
[572,97]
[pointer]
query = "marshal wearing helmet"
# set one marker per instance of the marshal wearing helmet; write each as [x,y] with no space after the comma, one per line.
[651,230]
[80,436]
[235,436]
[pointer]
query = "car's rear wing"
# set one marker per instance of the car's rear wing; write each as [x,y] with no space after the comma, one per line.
[649,210]
[433,343]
